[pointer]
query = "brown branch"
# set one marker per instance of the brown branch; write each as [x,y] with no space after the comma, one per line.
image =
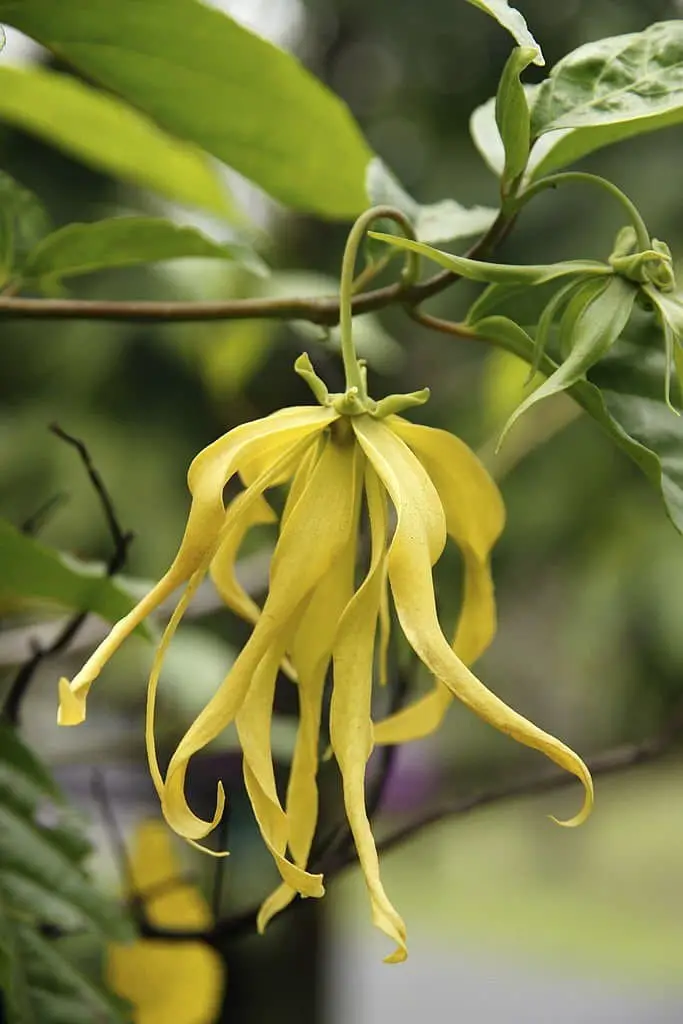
[323,311]
[610,762]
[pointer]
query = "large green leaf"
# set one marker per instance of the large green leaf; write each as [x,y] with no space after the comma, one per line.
[625,394]
[124,241]
[203,77]
[511,19]
[106,134]
[32,573]
[43,888]
[444,221]
[607,91]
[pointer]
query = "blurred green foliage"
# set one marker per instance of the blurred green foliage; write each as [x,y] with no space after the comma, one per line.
[589,571]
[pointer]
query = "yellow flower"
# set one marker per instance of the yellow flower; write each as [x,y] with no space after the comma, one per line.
[166,981]
[417,485]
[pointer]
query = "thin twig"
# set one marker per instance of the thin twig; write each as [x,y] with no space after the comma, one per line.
[39,519]
[119,538]
[386,755]
[19,687]
[324,311]
[100,793]
[223,834]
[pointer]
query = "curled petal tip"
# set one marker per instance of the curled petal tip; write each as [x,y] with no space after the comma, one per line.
[206,849]
[71,705]
[588,802]
[399,955]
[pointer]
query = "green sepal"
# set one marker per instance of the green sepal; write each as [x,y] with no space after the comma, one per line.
[547,319]
[394,404]
[304,367]
[592,322]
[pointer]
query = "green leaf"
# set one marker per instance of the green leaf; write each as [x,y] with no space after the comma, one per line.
[518,302]
[486,134]
[668,309]
[497,273]
[33,573]
[43,886]
[607,91]
[204,78]
[624,394]
[108,135]
[512,115]
[511,19]
[436,222]
[594,319]
[125,241]
[23,221]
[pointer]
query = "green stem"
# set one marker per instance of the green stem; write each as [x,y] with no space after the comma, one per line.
[354,378]
[581,177]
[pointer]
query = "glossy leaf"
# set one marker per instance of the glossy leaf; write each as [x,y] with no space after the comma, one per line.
[511,19]
[624,394]
[204,78]
[125,241]
[497,273]
[512,115]
[43,886]
[33,573]
[108,135]
[609,90]
[435,222]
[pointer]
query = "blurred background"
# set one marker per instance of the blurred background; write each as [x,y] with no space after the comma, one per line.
[507,915]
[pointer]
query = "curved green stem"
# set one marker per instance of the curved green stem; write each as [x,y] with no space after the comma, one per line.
[581,177]
[354,377]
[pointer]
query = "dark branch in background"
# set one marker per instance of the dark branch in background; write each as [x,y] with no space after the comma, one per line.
[323,311]
[121,540]
[222,834]
[610,762]
[327,850]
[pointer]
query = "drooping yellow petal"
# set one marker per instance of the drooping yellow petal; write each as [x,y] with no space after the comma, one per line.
[207,477]
[350,723]
[223,563]
[412,552]
[166,981]
[312,538]
[222,569]
[238,510]
[311,651]
[384,633]
[254,728]
[475,516]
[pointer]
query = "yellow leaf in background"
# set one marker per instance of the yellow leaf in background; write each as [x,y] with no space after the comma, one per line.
[166,982]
